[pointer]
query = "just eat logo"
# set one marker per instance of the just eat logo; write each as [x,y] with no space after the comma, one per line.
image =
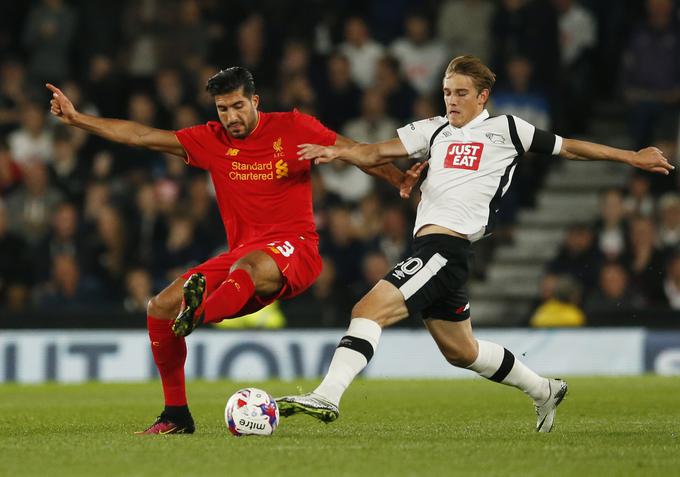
[464,156]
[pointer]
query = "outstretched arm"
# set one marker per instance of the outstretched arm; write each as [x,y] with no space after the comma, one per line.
[116,130]
[361,155]
[649,159]
[404,181]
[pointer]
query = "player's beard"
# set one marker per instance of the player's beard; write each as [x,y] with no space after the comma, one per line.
[240,131]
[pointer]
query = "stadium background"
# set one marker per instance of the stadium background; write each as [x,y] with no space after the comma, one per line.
[89,230]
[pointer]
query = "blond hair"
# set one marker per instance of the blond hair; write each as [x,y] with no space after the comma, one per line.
[471,66]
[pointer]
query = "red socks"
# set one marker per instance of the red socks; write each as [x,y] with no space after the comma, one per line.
[169,353]
[230,297]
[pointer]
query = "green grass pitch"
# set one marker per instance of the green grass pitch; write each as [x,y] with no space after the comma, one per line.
[610,426]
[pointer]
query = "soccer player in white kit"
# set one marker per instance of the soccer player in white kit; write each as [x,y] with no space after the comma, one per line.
[472,157]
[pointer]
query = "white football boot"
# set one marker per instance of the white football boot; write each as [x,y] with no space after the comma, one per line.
[545,413]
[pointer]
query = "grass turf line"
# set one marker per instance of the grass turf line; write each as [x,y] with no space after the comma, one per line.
[605,426]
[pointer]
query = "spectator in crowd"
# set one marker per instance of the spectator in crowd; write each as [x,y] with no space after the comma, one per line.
[190,38]
[30,206]
[424,107]
[645,261]
[67,171]
[170,96]
[367,218]
[297,93]
[529,29]
[103,84]
[362,51]
[395,238]
[107,252]
[15,265]
[465,27]
[421,57]
[205,215]
[562,308]
[613,293]
[374,125]
[611,226]
[639,199]
[185,116]
[141,109]
[33,140]
[13,93]
[295,61]
[341,98]
[48,36]
[180,251]
[518,96]
[254,52]
[97,197]
[651,76]
[578,257]
[669,220]
[64,238]
[577,36]
[340,245]
[373,268]
[144,29]
[146,226]
[349,183]
[139,290]
[671,283]
[67,289]
[399,95]
[10,172]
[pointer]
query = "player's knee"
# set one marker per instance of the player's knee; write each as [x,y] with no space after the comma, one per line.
[461,356]
[163,307]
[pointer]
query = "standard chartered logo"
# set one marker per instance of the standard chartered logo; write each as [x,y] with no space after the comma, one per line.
[258,171]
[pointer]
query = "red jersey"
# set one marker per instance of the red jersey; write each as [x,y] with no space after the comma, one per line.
[263,191]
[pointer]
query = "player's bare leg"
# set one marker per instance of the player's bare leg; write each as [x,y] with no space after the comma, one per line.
[381,307]
[460,348]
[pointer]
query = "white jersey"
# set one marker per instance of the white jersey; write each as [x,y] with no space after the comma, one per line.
[470,167]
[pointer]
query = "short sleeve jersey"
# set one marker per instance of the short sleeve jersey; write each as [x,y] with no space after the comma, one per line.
[263,191]
[470,167]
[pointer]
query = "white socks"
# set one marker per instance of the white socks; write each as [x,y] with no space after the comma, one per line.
[354,352]
[356,349]
[498,364]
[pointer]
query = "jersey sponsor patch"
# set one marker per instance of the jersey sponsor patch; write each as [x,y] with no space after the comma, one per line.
[464,156]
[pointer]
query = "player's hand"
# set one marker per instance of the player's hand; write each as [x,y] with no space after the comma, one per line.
[61,106]
[411,179]
[316,153]
[652,159]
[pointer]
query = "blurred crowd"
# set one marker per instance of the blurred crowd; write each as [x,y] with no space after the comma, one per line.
[85,223]
[628,260]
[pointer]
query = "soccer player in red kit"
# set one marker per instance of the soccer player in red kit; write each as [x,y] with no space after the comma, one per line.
[264,197]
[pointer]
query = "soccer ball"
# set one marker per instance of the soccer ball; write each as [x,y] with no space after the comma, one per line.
[251,411]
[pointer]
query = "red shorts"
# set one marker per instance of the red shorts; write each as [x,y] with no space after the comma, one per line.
[297,258]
